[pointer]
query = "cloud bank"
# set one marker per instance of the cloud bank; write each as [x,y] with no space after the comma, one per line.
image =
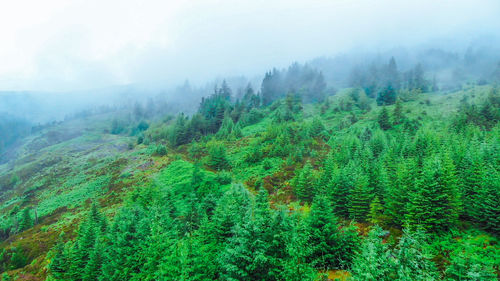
[60,45]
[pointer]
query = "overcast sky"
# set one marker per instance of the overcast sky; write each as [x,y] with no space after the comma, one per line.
[55,45]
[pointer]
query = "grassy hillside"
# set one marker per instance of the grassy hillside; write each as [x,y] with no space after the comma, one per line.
[192,199]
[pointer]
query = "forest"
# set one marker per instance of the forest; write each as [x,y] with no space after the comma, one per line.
[394,176]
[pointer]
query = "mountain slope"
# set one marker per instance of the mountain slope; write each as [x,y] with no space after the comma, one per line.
[189,203]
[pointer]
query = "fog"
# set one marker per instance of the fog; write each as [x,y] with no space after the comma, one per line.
[57,56]
[59,45]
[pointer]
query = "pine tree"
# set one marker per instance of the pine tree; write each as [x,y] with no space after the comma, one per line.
[339,187]
[231,210]
[59,264]
[126,237]
[325,241]
[489,197]
[92,269]
[174,260]
[157,245]
[271,88]
[360,197]
[471,173]
[237,131]
[89,230]
[225,91]
[399,190]
[304,183]
[206,248]
[250,99]
[296,267]
[217,157]
[397,115]
[383,119]
[376,211]
[226,127]
[280,231]
[386,96]
[236,259]
[84,244]
[450,181]
[180,134]
[326,173]
[316,92]
[432,207]
[26,221]
[246,255]
[317,127]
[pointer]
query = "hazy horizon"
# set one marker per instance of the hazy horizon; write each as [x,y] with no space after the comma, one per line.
[61,46]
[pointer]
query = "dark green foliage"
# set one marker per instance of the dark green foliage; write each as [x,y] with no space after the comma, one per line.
[383,119]
[329,247]
[339,188]
[230,211]
[386,96]
[487,207]
[81,260]
[17,258]
[217,157]
[25,221]
[376,213]
[254,154]
[304,183]
[397,115]
[399,190]
[360,196]
[92,270]
[249,254]
[180,133]
[59,264]
[126,236]
[433,206]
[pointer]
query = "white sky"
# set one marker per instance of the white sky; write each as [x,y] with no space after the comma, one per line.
[78,44]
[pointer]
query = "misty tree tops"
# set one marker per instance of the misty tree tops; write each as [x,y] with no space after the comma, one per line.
[384,81]
[302,80]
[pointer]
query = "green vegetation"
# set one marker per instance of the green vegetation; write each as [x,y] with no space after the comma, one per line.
[382,181]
